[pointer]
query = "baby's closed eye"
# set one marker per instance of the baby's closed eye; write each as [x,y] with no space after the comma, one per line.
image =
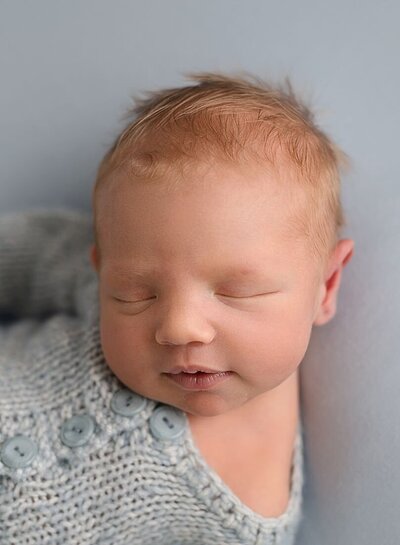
[247,296]
[219,294]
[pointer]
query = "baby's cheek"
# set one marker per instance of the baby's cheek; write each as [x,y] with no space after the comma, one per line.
[122,353]
[277,350]
[291,346]
[116,339]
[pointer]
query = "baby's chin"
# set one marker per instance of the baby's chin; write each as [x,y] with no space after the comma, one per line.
[204,404]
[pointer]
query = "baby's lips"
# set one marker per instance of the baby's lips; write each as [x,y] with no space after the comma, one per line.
[192,369]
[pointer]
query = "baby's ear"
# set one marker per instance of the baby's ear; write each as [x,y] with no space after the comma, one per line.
[341,256]
[93,257]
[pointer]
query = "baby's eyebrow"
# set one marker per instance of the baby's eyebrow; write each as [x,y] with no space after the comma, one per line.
[124,276]
[227,273]
[242,271]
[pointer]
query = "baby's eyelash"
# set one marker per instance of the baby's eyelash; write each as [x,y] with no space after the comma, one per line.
[138,301]
[220,294]
[245,296]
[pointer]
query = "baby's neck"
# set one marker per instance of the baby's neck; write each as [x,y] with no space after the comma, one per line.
[262,432]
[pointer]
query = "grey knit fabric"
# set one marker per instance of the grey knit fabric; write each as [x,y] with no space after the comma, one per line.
[126,484]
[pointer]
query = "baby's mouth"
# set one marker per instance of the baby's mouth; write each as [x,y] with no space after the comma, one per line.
[193,370]
[199,380]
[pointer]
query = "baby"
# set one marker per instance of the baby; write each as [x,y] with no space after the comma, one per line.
[149,381]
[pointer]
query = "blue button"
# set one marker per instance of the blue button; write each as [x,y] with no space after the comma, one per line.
[127,403]
[18,451]
[77,430]
[167,423]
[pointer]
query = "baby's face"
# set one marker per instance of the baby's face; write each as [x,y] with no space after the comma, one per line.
[204,276]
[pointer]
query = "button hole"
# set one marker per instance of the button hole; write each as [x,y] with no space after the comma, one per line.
[169,424]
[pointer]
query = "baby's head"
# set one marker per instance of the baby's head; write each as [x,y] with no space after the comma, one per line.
[217,217]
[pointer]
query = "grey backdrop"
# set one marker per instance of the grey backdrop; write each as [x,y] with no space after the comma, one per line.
[67,72]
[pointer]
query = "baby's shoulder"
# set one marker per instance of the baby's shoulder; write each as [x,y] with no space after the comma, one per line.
[44,362]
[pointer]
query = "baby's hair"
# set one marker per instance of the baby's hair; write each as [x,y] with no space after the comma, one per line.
[234,119]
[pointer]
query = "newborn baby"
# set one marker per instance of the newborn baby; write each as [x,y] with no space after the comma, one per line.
[149,378]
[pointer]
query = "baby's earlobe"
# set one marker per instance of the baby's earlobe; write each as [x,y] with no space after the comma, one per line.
[323,316]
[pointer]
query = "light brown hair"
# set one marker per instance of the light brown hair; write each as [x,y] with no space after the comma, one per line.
[234,118]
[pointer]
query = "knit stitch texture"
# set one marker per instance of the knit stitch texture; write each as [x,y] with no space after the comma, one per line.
[125,485]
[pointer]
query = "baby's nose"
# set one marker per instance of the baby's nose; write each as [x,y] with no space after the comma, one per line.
[180,327]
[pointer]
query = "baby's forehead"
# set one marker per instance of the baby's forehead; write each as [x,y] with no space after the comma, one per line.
[293,199]
[264,182]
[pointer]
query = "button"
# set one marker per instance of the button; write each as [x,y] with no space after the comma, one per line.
[18,451]
[167,422]
[77,430]
[127,403]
